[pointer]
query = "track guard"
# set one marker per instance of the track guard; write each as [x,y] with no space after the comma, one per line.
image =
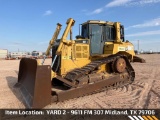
[138,59]
[34,82]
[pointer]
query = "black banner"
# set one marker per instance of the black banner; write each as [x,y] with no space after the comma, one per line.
[80,114]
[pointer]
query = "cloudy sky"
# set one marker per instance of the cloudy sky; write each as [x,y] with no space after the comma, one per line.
[28,25]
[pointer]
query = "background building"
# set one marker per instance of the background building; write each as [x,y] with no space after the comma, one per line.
[18,55]
[3,53]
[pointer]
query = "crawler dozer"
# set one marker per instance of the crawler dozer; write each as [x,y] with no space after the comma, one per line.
[98,59]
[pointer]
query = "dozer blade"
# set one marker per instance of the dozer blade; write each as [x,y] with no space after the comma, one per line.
[34,82]
[138,59]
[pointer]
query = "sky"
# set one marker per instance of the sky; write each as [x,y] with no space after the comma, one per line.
[27,25]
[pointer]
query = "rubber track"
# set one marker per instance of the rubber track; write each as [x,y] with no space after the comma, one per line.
[79,72]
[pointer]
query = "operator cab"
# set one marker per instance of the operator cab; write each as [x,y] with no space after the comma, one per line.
[100,32]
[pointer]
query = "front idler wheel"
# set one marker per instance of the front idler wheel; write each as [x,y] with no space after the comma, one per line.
[119,65]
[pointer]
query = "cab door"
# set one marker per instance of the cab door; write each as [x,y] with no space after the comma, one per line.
[96,37]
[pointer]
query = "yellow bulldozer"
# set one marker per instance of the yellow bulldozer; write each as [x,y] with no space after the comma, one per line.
[98,59]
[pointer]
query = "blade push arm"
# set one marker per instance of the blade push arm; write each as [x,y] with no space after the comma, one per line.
[70,22]
[54,37]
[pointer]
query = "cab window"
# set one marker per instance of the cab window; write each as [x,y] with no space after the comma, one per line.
[110,33]
[85,31]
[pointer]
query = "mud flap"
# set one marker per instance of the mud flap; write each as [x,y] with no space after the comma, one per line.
[138,59]
[34,82]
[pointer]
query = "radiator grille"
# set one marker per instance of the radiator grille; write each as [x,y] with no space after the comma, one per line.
[82,51]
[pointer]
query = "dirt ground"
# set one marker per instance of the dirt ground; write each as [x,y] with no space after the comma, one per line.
[143,93]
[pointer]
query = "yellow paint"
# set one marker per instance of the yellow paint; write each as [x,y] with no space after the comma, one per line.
[54,37]
[70,22]
[145,118]
[113,48]
[117,27]
[74,56]
[53,74]
[38,62]
[102,68]
[150,118]
[155,118]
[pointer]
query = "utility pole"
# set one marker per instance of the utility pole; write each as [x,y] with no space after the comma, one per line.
[138,46]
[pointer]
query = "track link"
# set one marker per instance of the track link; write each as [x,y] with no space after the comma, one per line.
[91,67]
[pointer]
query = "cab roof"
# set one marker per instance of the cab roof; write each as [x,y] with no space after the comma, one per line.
[98,22]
